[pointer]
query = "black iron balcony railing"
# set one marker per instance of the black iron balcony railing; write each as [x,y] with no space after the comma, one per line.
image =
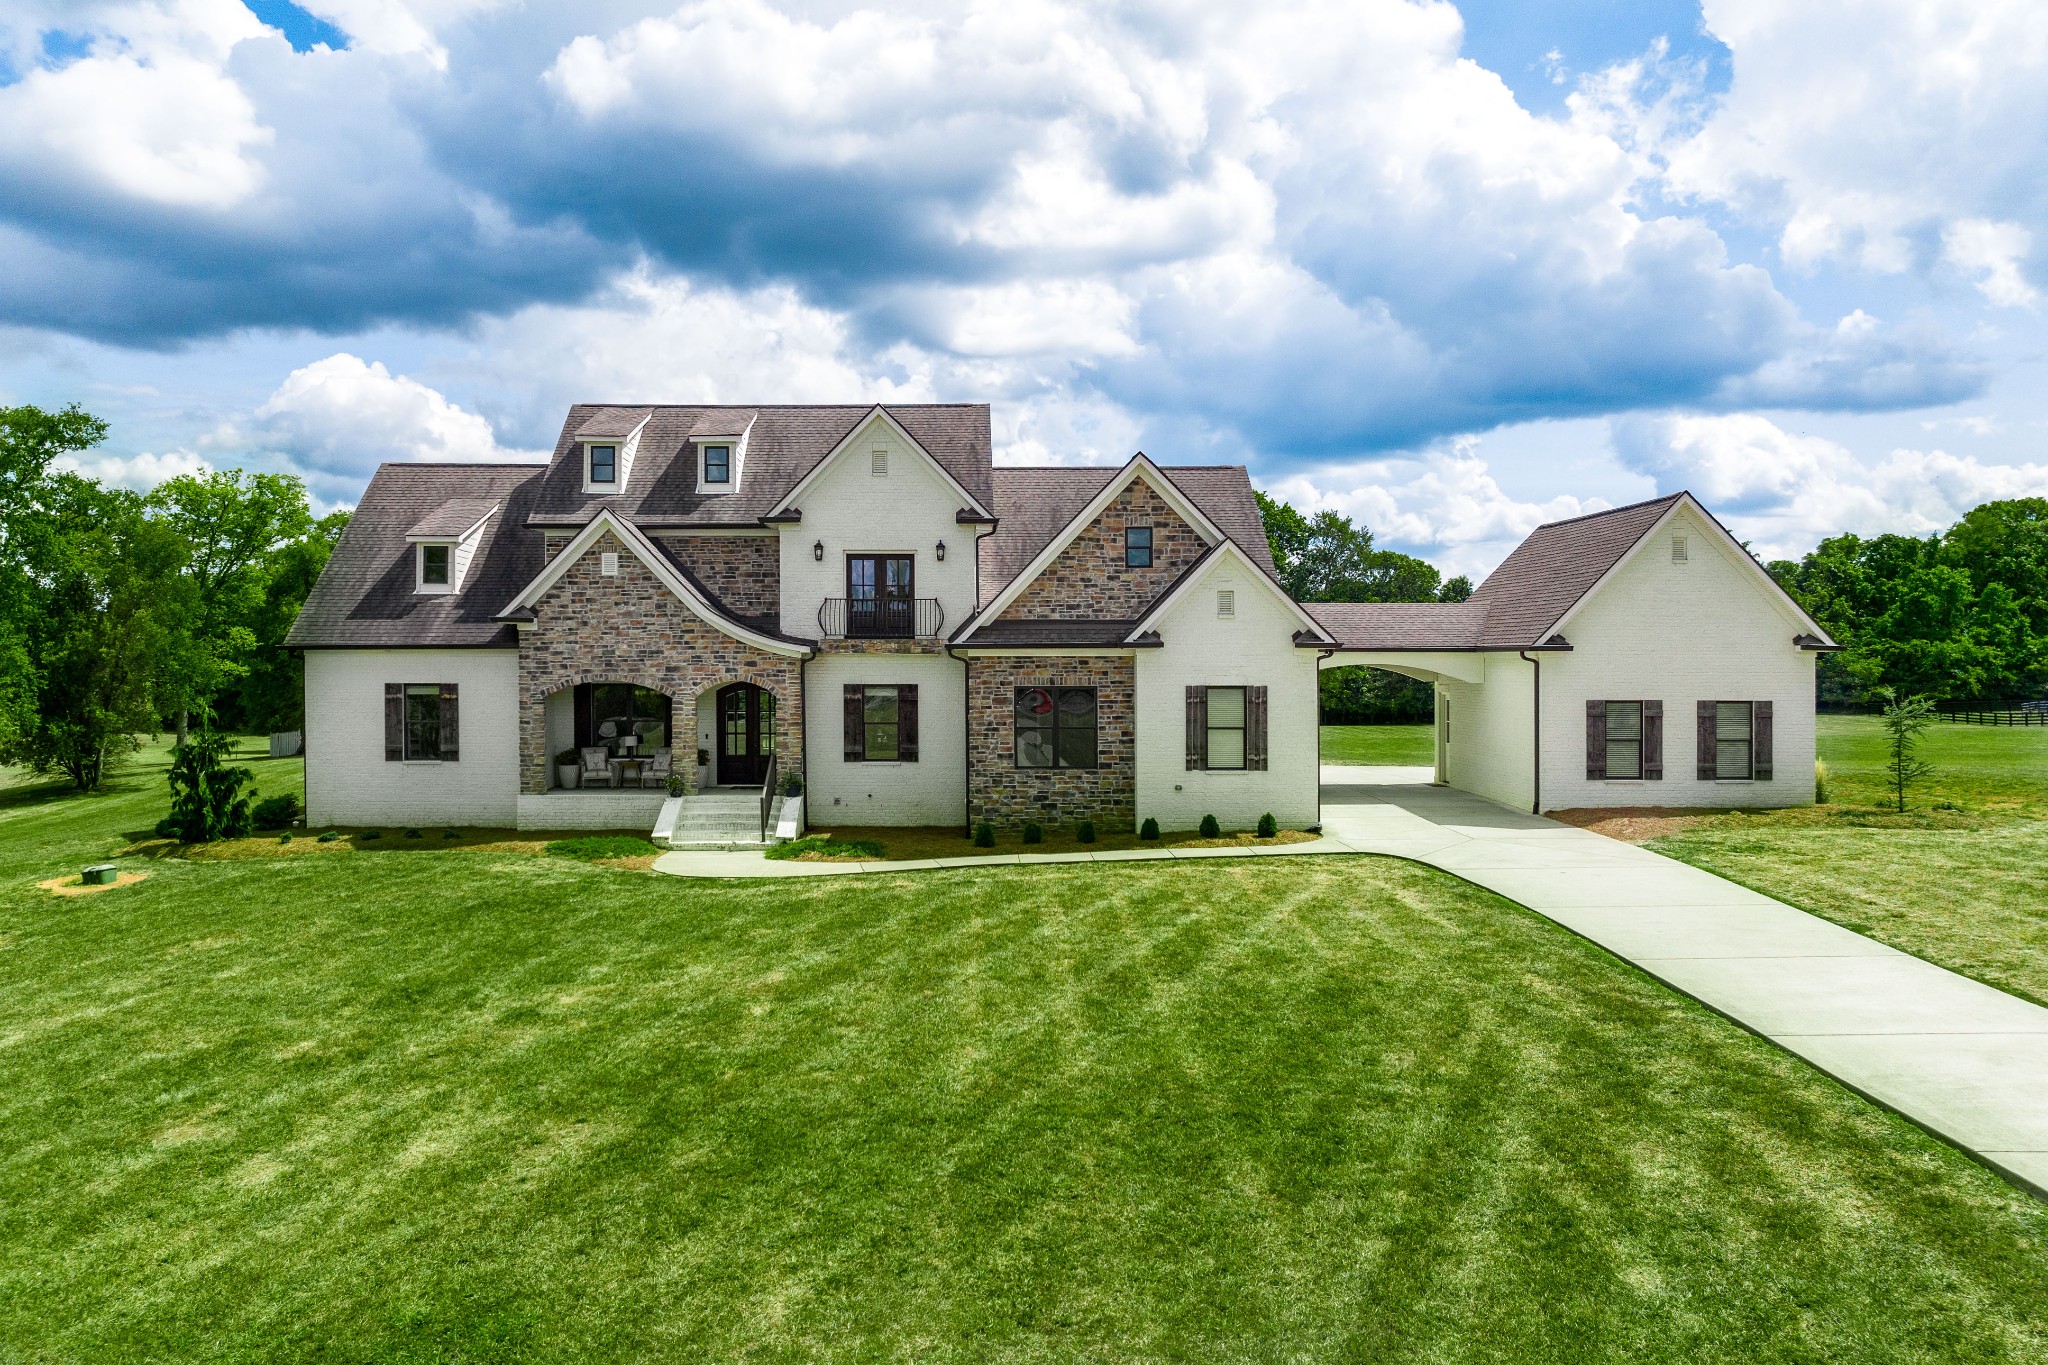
[883,618]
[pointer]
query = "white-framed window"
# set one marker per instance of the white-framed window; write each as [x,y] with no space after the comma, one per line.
[434,567]
[602,464]
[718,464]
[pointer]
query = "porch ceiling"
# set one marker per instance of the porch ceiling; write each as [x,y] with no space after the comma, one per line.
[1460,666]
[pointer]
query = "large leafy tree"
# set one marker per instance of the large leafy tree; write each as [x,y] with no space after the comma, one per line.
[1960,615]
[235,527]
[100,644]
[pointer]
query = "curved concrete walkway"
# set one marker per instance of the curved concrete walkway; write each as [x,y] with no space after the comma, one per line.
[1965,1061]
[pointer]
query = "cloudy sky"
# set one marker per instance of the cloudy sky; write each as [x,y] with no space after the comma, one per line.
[1454,270]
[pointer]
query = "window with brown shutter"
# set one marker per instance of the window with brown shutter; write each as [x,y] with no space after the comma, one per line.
[1760,740]
[1198,728]
[1255,729]
[1653,741]
[451,749]
[1734,741]
[881,723]
[1703,745]
[394,722]
[1596,741]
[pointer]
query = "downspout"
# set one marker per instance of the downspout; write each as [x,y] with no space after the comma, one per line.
[1536,750]
[966,729]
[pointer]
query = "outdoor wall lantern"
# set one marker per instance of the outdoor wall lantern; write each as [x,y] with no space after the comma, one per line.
[818,551]
[942,552]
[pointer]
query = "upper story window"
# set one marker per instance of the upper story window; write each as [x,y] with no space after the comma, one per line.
[604,464]
[1137,547]
[718,464]
[434,565]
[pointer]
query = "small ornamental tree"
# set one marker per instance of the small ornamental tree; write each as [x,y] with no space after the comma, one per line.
[207,800]
[1905,719]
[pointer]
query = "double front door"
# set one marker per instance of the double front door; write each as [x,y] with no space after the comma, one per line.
[746,734]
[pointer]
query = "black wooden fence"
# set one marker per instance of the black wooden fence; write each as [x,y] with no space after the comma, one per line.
[1995,712]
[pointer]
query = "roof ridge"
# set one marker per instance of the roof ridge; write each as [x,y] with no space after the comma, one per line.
[785,407]
[1610,511]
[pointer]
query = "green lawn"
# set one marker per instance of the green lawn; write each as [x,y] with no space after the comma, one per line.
[1967,889]
[1395,745]
[433,1105]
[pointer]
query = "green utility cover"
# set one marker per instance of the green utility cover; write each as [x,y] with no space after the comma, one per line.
[101,873]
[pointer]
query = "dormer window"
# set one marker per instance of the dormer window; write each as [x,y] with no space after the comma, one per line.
[434,565]
[604,464]
[445,542]
[718,464]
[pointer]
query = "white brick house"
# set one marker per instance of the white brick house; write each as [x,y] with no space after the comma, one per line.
[857,604]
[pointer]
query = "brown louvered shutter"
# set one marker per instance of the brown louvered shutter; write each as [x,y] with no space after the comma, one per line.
[394,722]
[1653,741]
[1760,739]
[1198,728]
[854,742]
[1706,742]
[1596,741]
[906,723]
[451,729]
[1255,729]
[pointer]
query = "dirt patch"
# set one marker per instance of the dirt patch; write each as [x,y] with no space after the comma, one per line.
[75,886]
[1635,824]
[904,844]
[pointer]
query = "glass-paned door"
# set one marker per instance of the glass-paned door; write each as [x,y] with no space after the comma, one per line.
[881,596]
[746,734]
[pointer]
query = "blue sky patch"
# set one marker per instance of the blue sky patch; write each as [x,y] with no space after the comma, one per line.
[302,30]
[1514,40]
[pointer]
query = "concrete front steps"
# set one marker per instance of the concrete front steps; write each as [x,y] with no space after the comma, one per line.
[724,820]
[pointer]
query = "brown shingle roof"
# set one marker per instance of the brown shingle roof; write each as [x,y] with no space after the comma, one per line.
[619,422]
[365,596]
[1034,504]
[453,517]
[1519,604]
[1557,565]
[1400,625]
[784,444]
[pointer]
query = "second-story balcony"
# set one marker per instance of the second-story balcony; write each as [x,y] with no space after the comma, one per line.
[881,618]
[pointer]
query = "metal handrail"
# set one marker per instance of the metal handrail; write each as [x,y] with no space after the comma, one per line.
[881,618]
[767,797]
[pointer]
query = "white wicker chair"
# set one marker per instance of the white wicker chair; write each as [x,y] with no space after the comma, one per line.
[655,774]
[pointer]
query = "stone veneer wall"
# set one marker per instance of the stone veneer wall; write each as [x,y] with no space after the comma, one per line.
[632,629]
[1089,580]
[1006,795]
[743,572]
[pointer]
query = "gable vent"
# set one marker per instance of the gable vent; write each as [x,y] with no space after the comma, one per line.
[1226,602]
[608,564]
[1680,552]
[879,464]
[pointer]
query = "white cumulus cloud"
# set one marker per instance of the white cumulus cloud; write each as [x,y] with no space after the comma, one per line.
[343,416]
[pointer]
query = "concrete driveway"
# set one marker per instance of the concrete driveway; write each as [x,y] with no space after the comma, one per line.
[1962,1059]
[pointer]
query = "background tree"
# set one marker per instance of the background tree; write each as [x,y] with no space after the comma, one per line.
[234,525]
[1325,558]
[100,643]
[272,692]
